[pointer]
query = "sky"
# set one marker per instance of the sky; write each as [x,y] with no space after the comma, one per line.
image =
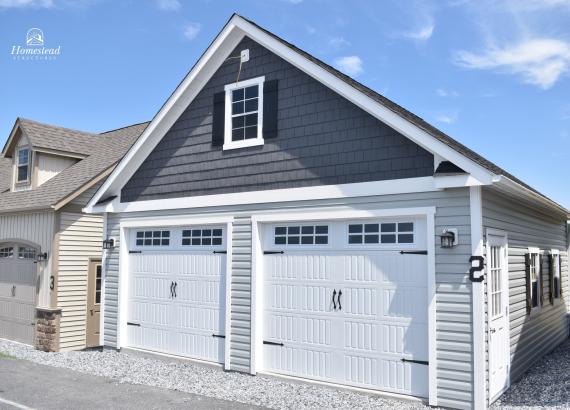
[493,74]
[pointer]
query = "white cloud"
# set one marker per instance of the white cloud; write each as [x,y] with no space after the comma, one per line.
[539,62]
[447,118]
[338,42]
[446,93]
[26,3]
[168,5]
[191,30]
[422,34]
[351,65]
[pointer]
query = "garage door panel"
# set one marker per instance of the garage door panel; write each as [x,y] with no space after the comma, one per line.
[404,303]
[300,361]
[147,287]
[151,313]
[302,298]
[296,329]
[298,266]
[200,346]
[205,292]
[198,318]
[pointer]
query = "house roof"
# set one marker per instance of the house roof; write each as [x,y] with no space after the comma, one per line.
[106,149]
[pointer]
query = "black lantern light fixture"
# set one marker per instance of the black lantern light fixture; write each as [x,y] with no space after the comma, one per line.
[109,243]
[448,238]
[42,257]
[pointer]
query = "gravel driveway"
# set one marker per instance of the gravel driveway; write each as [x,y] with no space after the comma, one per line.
[126,367]
[547,385]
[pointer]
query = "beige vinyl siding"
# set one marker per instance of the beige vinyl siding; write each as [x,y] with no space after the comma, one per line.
[453,289]
[79,239]
[531,336]
[49,166]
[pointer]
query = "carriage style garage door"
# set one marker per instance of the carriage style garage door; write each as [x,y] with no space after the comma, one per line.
[176,300]
[18,274]
[342,304]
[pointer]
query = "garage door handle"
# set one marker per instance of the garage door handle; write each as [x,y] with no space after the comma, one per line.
[172,289]
[334,303]
[175,286]
[13,290]
[339,295]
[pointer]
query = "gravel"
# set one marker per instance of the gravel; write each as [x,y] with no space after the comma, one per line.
[546,385]
[127,367]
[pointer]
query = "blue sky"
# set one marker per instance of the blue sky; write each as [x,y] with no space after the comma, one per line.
[492,74]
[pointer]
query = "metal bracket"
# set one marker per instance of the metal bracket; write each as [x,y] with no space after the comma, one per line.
[220,336]
[477,268]
[416,361]
[413,252]
[223,252]
[135,251]
[267,342]
[273,252]
[133,324]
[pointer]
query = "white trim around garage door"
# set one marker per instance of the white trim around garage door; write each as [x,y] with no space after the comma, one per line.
[312,215]
[141,222]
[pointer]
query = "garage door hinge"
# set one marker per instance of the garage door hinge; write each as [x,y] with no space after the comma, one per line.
[133,324]
[416,361]
[272,252]
[267,342]
[220,336]
[413,252]
[135,251]
[221,252]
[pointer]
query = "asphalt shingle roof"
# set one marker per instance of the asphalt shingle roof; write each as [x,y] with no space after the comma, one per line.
[106,152]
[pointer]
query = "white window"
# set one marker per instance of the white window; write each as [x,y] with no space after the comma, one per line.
[153,238]
[7,252]
[23,165]
[202,237]
[381,233]
[496,281]
[534,270]
[301,235]
[26,253]
[244,114]
[555,275]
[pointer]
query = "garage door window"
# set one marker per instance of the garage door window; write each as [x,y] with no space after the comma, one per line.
[302,235]
[26,253]
[202,237]
[153,238]
[6,252]
[381,233]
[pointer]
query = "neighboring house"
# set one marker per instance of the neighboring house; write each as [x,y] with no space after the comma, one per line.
[50,251]
[278,217]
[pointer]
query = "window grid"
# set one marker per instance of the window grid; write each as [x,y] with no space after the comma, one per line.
[7,252]
[202,237]
[301,235]
[153,238]
[23,165]
[556,275]
[98,284]
[384,233]
[496,282]
[26,253]
[534,272]
[245,113]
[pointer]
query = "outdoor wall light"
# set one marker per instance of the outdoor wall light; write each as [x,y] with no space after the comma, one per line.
[449,238]
[42,257]
[109,243]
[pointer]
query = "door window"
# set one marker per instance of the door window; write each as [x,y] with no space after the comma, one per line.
[496,274]
[98,284]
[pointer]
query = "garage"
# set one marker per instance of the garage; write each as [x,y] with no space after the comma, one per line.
[346,302]
[176,302]
[18,275]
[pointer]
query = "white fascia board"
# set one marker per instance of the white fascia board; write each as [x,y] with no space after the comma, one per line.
[390,187]
[216,54]
[456,181]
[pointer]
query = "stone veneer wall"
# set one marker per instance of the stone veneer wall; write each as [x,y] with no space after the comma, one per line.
[47,330]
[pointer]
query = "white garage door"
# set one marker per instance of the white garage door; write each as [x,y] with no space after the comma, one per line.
[18,274]
[176,299]
[344,305]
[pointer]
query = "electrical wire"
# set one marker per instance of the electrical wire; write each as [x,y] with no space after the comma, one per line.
[240,65]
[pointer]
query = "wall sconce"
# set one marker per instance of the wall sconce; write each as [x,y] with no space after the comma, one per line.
[42,257]
[109,243]
[449,238]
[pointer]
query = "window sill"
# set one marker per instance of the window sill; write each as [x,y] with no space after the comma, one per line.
[243,144]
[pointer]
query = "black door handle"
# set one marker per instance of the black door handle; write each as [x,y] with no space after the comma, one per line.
[334,303]
[172,289]
[175,286]
[339,295]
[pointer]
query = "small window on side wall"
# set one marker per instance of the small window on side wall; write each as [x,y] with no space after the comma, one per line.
[555,288]
[533,281]
[23,165]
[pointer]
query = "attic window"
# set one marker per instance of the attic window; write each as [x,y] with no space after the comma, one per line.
[23,165]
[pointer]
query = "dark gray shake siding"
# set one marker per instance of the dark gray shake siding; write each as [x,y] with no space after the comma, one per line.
[322,139]
[453,289]
[531,336]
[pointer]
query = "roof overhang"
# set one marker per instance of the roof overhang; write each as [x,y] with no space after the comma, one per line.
[12,138]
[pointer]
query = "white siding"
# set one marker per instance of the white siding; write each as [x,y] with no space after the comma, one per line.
[79,239]
[531,336]
[50,165]
[453,289]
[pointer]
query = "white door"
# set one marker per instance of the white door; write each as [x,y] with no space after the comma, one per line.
[177,291]
[18,275]
[349,309]
[498,313]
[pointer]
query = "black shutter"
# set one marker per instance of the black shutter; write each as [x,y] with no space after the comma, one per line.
[270,109]
[528,284]
[218,119]
[541,280]
[560,287]
[551,278]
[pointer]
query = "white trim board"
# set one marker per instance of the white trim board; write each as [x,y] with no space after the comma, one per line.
[389,187]
[312,214]
[232,33]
